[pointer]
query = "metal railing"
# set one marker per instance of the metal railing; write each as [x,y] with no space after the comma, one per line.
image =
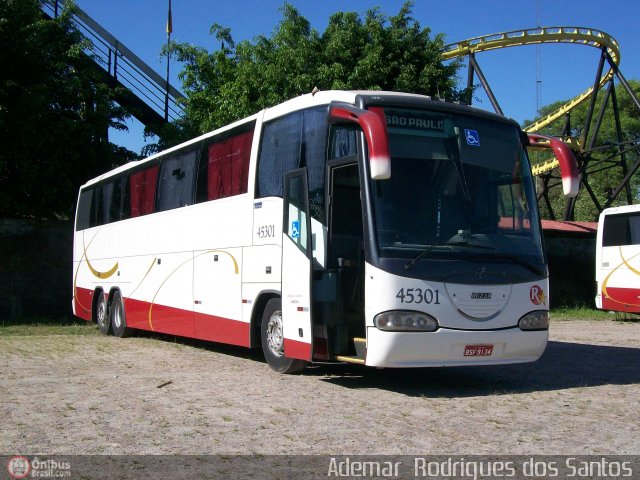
[123,66]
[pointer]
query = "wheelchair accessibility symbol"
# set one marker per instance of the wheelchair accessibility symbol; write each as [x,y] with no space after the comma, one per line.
[295,229]
[472,137]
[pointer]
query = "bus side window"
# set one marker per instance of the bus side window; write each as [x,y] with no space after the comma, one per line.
[228,166]
[107,195]
[290,142]
[177,181]
[87,209]
[279,153]
[342,142]
[125,201]
[110,206]
[142,189]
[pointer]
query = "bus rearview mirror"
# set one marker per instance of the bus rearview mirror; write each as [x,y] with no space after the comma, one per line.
[565,157]
[375,132]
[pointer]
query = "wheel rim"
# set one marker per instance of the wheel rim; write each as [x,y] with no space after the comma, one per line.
[101,314]
[275,338]
[117,316]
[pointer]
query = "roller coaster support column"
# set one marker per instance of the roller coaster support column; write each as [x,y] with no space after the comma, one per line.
[592,101]
[623,154]
[623,81]
[474,67]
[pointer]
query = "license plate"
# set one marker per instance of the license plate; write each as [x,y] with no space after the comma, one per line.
[478,350]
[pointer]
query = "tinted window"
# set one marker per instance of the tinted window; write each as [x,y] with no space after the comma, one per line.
[343,142]
[86,213]
[279,152]
[177,181]
[293,141]
[111,200]
[621,229]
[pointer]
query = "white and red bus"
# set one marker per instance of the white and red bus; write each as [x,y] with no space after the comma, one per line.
[378,228]
[618,259]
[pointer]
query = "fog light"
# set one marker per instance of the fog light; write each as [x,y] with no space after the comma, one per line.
[538,320]
[405,321]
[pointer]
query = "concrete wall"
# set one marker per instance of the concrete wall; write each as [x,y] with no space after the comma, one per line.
[572,270]
[35,269]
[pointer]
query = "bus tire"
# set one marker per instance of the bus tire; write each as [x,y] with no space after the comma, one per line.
[118,317]
[273,340]
[102,314]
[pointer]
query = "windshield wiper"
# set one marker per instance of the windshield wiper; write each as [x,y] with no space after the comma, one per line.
[411,263]
[465,243]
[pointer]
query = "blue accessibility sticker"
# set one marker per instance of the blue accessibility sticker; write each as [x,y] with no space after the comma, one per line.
[472,137]
[295,229]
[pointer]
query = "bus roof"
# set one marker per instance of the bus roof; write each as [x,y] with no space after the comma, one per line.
[316,98]
[620,209]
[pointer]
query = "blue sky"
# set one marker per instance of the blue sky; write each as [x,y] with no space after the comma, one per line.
[564,70]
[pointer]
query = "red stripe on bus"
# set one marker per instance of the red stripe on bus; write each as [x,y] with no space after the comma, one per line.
[185,323]
[83,302]
[621,299]
[223,330]
[173,321]
[295,349]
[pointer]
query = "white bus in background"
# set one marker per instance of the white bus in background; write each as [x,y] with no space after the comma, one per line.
[618,259]
[378,228]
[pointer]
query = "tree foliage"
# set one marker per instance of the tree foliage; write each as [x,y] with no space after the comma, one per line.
[603,173]
[372,52]
[54,113]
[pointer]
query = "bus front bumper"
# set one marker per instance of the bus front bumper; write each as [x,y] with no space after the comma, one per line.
[448,347]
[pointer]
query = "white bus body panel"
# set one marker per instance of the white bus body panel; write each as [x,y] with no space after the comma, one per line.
[296,301]
[179,271]
[457,328]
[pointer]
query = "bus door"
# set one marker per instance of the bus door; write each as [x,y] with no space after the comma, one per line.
[346,257]
[296,267]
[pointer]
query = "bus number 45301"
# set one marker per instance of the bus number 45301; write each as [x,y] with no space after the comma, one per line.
[266,231]
[418,295]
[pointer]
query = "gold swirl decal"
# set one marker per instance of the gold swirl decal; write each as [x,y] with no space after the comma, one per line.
[96,273]
[208,252]
[625,262]
[637,272]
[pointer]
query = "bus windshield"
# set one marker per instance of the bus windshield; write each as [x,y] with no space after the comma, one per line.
[460,190]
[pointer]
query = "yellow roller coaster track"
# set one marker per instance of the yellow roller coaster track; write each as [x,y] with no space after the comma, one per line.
[535,36]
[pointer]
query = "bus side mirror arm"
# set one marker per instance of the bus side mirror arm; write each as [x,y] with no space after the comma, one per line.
[565,157]
[375,132]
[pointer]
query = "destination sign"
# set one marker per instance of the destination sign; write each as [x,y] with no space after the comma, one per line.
[413,120]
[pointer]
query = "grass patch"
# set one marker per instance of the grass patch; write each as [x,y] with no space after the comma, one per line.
[46,327]
[583,313]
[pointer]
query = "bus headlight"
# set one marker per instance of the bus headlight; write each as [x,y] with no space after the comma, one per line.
[405,321]
[538,320]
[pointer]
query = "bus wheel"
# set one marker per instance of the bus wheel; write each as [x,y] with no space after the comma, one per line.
[118,317]
[273,340]
[102,315]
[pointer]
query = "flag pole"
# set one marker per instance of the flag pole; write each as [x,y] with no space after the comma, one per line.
[166,94]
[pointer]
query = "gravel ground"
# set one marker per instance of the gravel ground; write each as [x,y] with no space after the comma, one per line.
[63,394]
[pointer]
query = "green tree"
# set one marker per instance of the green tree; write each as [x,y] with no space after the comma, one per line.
[54,113]
[375,52]
[604,171]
